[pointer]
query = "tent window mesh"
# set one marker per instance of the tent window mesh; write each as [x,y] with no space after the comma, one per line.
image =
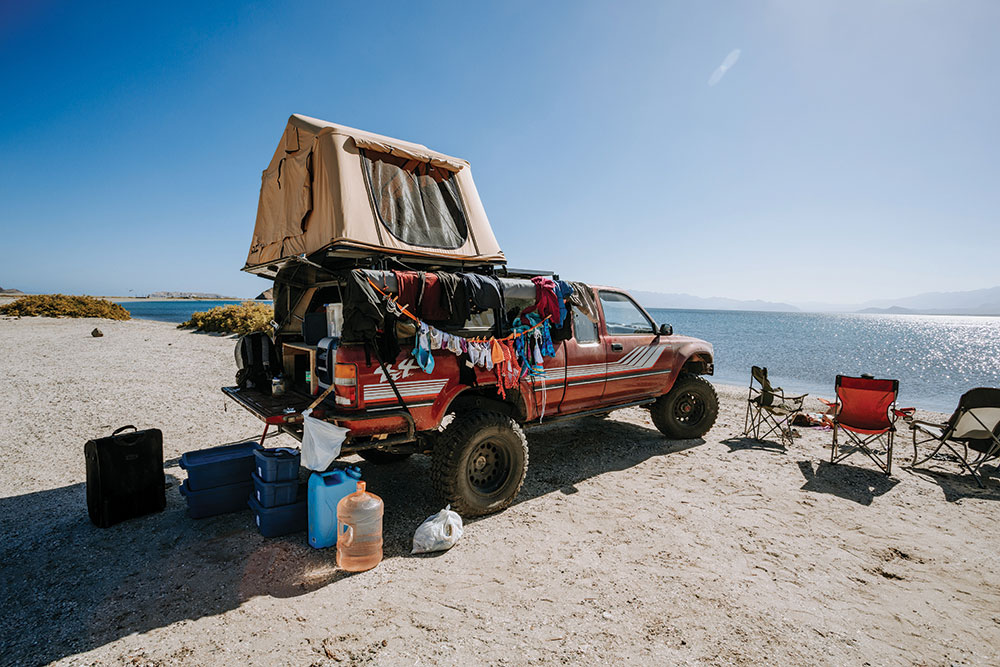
[417,202]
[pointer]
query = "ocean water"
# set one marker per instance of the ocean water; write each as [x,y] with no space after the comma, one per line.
[935,358]
[169,311]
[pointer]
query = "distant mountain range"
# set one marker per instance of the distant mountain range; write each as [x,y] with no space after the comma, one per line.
[973,302]
[190,295]
[690,302]
[10,291]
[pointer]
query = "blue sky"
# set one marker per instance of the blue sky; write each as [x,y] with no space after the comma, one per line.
[844,151]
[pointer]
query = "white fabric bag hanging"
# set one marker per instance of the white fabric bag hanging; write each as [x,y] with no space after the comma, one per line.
[439,532]
[321,442]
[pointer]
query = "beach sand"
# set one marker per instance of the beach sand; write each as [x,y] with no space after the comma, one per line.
[621,546]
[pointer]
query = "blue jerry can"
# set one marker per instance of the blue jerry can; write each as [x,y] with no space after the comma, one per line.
[325,491]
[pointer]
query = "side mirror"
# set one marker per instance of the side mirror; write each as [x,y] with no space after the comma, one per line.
[666,330]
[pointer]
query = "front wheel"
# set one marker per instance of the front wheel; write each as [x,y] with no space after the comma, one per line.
[479,462]
[688,411]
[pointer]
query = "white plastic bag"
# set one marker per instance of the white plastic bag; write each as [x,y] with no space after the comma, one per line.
[439,532]
[321,442]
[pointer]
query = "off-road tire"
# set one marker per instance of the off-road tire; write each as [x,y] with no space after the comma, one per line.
[688,410]
[479,462]
[380,457]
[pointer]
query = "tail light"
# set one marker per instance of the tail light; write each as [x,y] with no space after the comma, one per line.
[345,380]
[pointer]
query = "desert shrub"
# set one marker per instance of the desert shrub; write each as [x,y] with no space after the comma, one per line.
[60,305]
[240,318]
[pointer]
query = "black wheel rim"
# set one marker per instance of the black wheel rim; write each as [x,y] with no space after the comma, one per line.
[489,467]
[689,409]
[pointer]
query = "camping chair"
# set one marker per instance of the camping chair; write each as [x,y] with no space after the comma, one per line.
[974,425]
[866,412]
[768,408]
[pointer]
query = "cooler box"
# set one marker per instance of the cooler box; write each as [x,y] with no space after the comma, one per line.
[272,494]
[217,500]
[277,465]
[277,521]
[219,466]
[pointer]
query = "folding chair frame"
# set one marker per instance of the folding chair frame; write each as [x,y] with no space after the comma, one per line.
[945,441]
[862,441]
[758,417]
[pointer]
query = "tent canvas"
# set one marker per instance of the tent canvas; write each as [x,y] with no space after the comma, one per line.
[330,186]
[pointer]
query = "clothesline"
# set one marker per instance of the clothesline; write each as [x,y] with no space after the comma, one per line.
[416,319]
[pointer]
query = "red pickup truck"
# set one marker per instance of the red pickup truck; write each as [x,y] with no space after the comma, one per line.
[476,437]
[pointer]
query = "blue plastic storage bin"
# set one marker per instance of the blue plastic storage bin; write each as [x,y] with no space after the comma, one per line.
[277,465]
[217,500]
[219,466]
[282,520]
[272,494]
[325,491]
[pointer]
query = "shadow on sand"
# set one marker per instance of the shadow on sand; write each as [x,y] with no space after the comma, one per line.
[70,587]
[860,485]
[958,486]
[738,444]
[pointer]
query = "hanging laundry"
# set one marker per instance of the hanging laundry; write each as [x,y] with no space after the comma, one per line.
[454,298]
[546,304]
[583,298]
[496,351]
[435,337]
[422,350]
[563,291]
[408,283]
[484,292]
[364,309]
[429,306]
[508,371]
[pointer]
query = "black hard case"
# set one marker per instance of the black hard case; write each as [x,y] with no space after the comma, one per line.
[125,475]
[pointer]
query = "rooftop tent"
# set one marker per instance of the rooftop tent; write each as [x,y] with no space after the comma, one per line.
[334,187]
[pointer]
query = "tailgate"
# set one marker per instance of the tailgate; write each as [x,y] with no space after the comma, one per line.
[270,409]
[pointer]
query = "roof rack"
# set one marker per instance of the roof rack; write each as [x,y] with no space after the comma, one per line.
[509,272]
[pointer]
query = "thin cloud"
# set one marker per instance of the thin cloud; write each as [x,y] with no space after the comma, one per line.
[721,70]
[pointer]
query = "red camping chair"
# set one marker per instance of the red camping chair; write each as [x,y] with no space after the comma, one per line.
[866,412]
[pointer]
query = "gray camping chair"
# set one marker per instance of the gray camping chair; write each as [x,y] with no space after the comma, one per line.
[975,426]
[768,409]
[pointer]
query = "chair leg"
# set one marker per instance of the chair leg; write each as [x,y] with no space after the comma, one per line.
[833,449]
[888,455]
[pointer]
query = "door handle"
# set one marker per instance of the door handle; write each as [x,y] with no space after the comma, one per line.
[616,347]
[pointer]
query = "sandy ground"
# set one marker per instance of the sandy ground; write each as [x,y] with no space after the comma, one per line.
[621,546]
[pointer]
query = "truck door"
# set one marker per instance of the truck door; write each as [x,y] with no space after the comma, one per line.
[637,358]
[585,366]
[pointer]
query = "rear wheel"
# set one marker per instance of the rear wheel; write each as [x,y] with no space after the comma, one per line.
[379,457]
[479,462]
[688,411]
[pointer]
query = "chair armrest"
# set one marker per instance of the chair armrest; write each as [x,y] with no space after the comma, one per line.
[917,423]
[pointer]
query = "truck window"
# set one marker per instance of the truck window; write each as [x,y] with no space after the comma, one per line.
[623,316]
[584,330]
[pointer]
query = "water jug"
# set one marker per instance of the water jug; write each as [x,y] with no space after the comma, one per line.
[359,531]
[325,491]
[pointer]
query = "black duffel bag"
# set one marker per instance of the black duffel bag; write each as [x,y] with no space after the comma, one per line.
[125,475]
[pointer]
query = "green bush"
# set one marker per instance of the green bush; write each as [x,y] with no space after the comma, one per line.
[235,318]
[60,305]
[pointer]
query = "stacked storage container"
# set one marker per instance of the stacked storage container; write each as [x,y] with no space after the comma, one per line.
[278,500]
[219,479]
